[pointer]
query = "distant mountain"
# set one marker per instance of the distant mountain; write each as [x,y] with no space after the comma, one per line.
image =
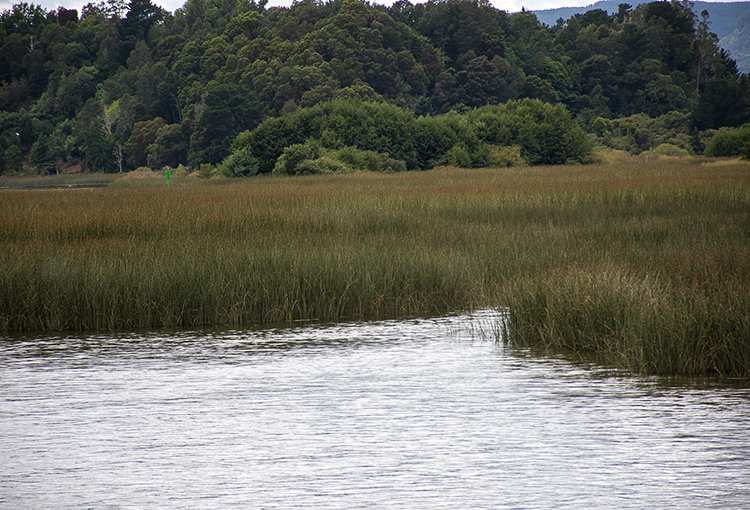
[730,21]
[738,43]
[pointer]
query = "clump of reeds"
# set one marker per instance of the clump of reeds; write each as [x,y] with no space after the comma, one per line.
[633,320]
[208,255]
[645,264]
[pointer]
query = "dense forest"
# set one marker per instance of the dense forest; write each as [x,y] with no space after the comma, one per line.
[730,21]
[326,86]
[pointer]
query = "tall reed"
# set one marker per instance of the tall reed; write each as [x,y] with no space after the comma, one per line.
[646,264]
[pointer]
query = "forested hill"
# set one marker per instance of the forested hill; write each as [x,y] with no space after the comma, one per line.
[120,86]
[730,21]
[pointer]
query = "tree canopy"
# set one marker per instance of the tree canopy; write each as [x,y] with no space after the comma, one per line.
[122,85]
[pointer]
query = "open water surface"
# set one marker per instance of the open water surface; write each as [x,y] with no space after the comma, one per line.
[423,413]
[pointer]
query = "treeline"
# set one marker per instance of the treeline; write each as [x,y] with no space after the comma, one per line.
[121,86]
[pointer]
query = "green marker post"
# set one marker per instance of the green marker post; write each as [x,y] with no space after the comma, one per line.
[168,176]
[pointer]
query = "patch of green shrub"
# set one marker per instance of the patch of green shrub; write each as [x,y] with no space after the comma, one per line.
[728,142]
[459,156]
[639,133]
[180,171]
[506,156]
[326,164]
[290,159]
[385,135]
[370,160]
[668,149]
[206,171]
[239,163]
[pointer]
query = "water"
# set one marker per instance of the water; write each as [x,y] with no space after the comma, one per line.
[421,413]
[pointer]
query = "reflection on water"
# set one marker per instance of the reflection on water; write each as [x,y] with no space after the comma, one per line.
[399,414]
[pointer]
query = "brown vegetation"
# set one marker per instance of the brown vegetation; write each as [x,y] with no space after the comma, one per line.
[647,264]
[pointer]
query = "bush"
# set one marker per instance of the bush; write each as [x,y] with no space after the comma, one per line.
[667,149]
[546,134]
[602,127]
[180,171]
[728,142]
[378,127]
[640,132]
[745,152]
[459,157]
[290,159]
[239,163]
[309,158]
[370,160]
[506,156]
[206,171]
[383,137]
[326,164]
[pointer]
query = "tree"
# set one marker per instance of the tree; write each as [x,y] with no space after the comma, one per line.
[143,135]
[706,49]
[547,134]
[141,16]
[117,122]
[622,12]
[170,148]
[725,101]
[13,159]
[90,137]
[227,110]
[45,154]
[240,163]
[486,82]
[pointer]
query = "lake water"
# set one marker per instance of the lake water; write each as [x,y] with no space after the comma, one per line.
[424,414]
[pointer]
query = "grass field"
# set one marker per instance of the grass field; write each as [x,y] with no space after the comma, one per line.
[645,264]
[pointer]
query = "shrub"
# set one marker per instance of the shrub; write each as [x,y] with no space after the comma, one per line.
[206,171]
[240,163]
[745,153]
[728,142]
[546,134]
[370,160]
[640,132]
[459,157]
[507,156]
[668,149]
[180,171]
[326,164]
[389,136]
[602,127]
[294,155]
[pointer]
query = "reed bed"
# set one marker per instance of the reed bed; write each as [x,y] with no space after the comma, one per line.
[645,264]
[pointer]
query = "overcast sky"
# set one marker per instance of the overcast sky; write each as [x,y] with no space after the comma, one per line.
[172,5]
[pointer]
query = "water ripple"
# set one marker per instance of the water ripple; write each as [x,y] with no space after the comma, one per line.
[423,413]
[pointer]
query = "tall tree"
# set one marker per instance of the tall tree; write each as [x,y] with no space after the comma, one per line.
[226,111]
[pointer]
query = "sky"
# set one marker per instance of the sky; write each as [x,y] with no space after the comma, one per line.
[172,5]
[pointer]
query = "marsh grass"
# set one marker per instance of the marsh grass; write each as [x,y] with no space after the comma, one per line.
[647,265]
[53,181]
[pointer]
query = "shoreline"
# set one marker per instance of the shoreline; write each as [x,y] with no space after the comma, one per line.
[644,264]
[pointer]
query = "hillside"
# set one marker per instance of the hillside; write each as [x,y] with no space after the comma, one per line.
[120,86]
[730,21]
[738,43]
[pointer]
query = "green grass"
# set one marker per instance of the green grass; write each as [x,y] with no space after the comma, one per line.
[646,265]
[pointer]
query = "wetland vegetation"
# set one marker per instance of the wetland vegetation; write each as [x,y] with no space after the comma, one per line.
[646,264]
